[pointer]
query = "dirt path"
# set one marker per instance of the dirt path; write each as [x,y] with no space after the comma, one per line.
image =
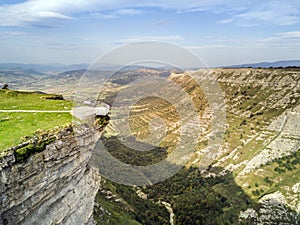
[170,210]
[35,111]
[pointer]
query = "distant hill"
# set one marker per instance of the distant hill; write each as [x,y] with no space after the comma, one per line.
[62,68]
[72,73]
[42,68]
[23,72]
[39,69]
[284,63]
[31,71]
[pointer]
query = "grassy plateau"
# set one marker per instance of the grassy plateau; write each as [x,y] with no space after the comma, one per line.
[16,125]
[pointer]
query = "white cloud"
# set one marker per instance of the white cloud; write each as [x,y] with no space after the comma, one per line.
[150,38]
[49,14]
[225,21]
[104,16]
[116,13]
[192,10]
[291,34]
[284,37]
[242,12]
[129,12]
[285,40]
[207,46]
[30,11]
[14,33]
[282,13]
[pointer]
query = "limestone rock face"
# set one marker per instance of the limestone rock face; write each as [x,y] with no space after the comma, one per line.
[273,210]
[55,186]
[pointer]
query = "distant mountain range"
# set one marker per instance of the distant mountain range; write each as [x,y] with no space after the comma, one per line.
[284,63]
[59,68]
[43,68]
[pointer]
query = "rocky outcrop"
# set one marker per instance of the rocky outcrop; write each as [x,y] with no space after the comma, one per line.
[55,186]
[285,141]
[273,210]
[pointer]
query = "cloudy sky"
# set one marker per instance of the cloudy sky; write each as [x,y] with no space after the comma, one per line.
[78,31]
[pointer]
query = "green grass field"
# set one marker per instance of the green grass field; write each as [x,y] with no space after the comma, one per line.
[15,125]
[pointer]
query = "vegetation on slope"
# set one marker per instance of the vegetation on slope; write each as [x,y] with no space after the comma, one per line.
[254,98]
[120,204]
[194,197]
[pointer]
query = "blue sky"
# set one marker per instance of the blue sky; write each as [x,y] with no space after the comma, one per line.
[79,31]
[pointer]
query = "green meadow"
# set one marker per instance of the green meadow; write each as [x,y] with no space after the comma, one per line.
[15,126]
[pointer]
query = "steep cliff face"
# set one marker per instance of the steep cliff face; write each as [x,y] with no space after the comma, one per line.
[55,186]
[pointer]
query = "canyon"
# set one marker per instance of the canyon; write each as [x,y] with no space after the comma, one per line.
[59,186]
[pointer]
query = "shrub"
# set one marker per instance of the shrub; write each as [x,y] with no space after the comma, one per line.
[23,153]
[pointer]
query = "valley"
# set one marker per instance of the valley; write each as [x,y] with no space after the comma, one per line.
[257,168]
[252,179]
